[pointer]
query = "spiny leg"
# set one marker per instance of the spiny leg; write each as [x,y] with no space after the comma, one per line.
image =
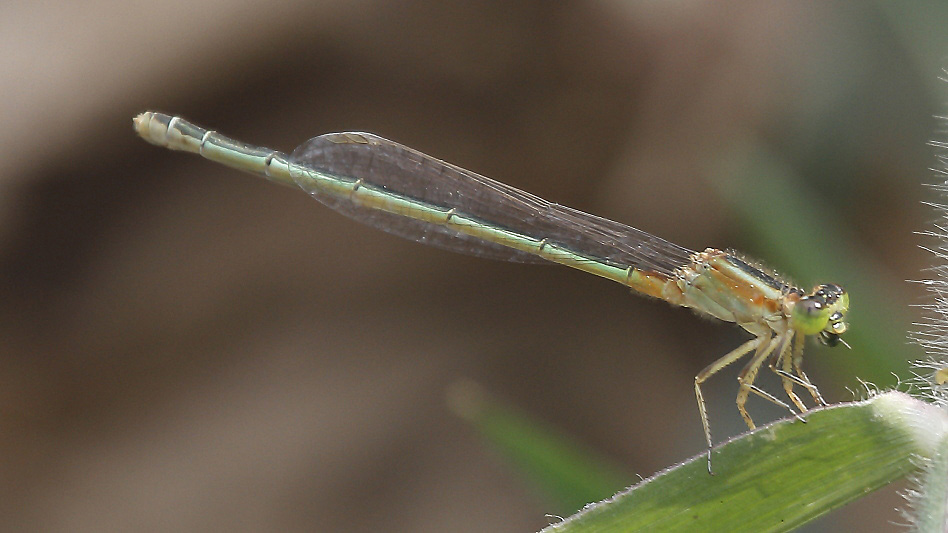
[803,382]
[749,374]
[796,379]
[815,392]
[776,401]
[786,373]
[798,366]
[713,369]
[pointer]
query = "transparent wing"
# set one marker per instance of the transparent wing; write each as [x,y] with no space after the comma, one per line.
[412,174]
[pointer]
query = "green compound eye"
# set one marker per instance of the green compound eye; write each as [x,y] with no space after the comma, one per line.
[810,315]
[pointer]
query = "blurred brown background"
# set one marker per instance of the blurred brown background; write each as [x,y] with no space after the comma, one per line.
[188,348]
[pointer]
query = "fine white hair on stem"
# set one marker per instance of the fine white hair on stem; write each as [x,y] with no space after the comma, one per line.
[925,494]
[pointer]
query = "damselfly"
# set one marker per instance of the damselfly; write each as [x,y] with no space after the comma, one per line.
[402,191]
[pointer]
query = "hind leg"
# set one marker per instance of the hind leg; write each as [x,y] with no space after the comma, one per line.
[714,368]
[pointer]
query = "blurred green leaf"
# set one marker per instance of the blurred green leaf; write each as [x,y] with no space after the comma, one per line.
[570,475]
[920,27]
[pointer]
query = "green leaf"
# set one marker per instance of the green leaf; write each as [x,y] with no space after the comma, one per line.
[779,476]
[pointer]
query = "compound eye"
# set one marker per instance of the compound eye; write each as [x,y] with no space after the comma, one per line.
[810,315]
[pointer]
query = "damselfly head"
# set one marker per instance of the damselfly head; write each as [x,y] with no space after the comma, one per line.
[822,313]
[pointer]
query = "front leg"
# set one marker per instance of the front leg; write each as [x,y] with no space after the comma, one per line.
[786,373]
[798,366]
[749,374]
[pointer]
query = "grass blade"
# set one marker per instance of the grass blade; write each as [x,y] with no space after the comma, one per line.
[779,476]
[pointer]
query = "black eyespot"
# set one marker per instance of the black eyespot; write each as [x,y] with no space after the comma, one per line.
[810,305]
